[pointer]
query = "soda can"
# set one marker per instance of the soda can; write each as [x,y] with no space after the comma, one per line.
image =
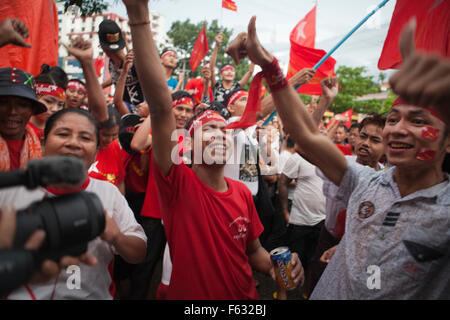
[281,258]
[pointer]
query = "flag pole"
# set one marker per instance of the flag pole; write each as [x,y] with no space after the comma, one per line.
[325,57]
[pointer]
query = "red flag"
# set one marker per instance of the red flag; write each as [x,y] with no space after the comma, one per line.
[229,4]
[304,33]
[345,117]
[41,18]
[200,50]
[303,57]
[432,31]
[98,65]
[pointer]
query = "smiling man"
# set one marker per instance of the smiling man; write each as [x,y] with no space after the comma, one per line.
[18,141]
[396,244]
[210,221]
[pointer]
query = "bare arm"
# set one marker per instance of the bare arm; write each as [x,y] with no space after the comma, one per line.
[214,58]
[247,75]
[259,258]
[132,249]
[107,83]
[283,191]
[329,92]
[120,86]
[142,140]
[297,120]
[154,85]
[83,52]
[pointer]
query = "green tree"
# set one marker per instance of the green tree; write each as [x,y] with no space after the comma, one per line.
[184,34]
[87,7]
[353,83]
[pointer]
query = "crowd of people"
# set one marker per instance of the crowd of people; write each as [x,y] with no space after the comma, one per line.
[186,179]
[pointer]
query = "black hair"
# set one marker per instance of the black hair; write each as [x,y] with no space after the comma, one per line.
[375,119]
[181,94]
[289,142]
[113,118]
[341,125]
[355,125]
[52,75]
[220,109]
[227,97]
[57,115]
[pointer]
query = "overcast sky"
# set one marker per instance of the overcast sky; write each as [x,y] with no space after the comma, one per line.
[276,19]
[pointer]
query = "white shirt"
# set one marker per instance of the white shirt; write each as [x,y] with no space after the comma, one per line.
[308,207]
[95,282]
[241,165]
[284,156]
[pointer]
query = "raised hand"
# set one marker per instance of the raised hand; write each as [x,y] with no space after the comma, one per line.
[247,44]
[81,49]
[329,88]
[302,77]
[14,31]
[423,80]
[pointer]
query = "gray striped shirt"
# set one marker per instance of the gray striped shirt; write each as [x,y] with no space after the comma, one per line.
[393,247]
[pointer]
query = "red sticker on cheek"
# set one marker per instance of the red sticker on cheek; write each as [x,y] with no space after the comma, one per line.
[430,133]
[426,154]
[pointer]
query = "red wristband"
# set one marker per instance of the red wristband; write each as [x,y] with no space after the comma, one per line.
[274,76]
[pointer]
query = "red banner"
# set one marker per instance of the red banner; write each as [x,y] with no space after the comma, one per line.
[432,31]
[200,49]
[41,18]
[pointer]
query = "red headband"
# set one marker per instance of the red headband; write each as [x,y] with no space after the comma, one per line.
[45,89]
[167,52]
[203,118]
[184,100]
[76,86]
[228,66]
[433,112]
[236,96]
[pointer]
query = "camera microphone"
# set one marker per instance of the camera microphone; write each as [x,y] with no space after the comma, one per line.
[46,171]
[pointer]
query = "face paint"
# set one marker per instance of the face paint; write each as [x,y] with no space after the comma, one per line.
[430,133]
[425,154]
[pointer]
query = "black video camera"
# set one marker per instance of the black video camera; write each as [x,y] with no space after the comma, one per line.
[70,221]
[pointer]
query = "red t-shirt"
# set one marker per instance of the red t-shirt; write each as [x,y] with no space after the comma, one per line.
[14,148]
[345,149]
[196,84]
[135,176]
[108,165]
[151,207]
[207,232]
